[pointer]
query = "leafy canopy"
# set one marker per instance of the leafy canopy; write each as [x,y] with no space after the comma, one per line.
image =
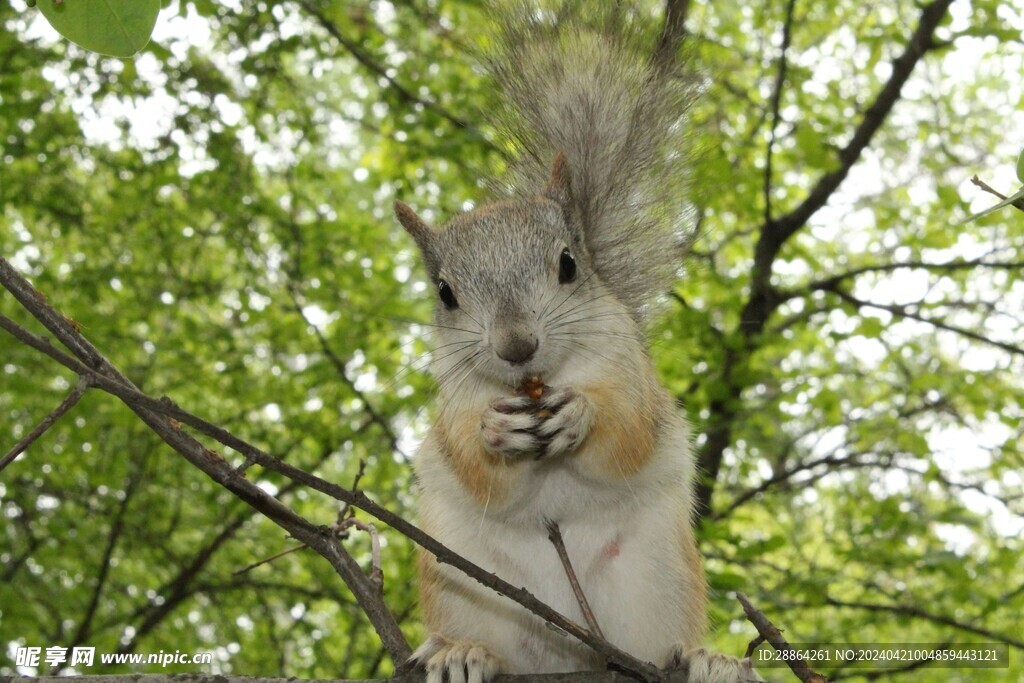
[215,214]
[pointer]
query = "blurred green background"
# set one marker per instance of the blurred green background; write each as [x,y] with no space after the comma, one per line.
[215,213]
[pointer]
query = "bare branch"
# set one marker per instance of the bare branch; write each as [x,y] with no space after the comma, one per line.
[555,536]
[672,31]
[919,613]
[776,102]
[164,416]
[268,560]
[83,384]
[364,58]
[904,312]
[770,633]
[1019,204]
[376,573]
[90,362]
[346,510]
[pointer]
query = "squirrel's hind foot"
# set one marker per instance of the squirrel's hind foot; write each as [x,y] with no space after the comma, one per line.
[712,667]
[455,661]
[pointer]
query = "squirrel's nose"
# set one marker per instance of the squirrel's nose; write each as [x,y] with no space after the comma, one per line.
[517,350]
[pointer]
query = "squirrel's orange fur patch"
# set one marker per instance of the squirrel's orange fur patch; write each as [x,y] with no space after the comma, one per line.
[625,432]
[487,477]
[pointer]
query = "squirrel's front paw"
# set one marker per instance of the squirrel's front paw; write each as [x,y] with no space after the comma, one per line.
[455,661]
[569,417]
[508,427]
[711,667]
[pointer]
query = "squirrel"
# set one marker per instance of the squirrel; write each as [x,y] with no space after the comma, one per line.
[550,409]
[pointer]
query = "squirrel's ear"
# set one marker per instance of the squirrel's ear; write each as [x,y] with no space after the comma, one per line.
[559,186]
[414,225]
[421,231]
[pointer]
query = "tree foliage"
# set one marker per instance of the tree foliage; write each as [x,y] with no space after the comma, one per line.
[214,214]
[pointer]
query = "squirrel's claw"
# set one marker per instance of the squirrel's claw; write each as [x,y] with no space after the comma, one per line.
[518,426]
[711,667]
[455,661]
[570,418]
[507,428]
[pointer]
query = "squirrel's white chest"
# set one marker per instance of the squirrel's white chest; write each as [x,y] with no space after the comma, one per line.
[628,572]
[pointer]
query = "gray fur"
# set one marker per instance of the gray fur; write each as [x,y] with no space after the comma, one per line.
[598,130]
[577,78]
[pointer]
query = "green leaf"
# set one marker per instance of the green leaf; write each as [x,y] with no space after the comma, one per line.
[1020,166]
[119,28]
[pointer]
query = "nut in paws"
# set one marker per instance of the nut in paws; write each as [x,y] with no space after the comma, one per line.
[566,416]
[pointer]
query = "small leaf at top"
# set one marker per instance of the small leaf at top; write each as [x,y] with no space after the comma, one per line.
[1020,166]
[119,28]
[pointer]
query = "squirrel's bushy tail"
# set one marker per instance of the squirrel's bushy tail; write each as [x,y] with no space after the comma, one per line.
[580,78]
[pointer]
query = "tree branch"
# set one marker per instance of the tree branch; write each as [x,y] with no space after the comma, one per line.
[90,362]
[769,632]
[764,298]
[48,421]
[903,312]
[555,536]
[673,30]
[776,102]
[155,413]
[364,58]
[917,612]
[776,233]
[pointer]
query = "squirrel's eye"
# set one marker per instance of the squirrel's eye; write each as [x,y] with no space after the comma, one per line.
[447,295]
[566,267]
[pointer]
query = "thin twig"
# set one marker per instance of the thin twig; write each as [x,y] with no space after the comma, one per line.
[988,188]
[752,646]
[376,573]
[1019,204]
[769,632]
[344,521]
[267,560]
[346,511]
[555,536]
[83,384]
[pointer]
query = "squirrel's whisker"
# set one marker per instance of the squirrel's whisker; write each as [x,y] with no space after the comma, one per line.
[429,357]
[567,297]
